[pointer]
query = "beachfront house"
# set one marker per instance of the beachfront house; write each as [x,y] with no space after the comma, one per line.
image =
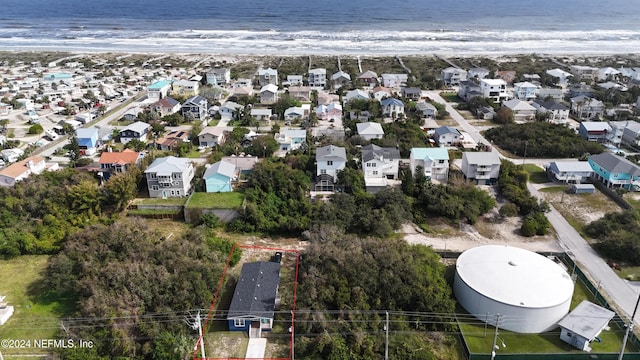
[586,108]
[482,168]
[394,80]
[318,78]
[368,78]
[293,80]
[220,176]
[254,299]
[570,172]
[169,177]
[447,136]
[434,163]
[608,74]
[561,76]
[452,76]
[195,108]
[267,76]
[557,113]
[584,73]
[615,171]
[379,165]
[594,130]
[477,73]
[370,130]
[340,79]
[494,89]
[468,89]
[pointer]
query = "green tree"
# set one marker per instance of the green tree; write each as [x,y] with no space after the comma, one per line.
[122,188]
[35,129]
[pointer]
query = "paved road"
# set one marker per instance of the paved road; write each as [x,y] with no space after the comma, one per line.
[623,294]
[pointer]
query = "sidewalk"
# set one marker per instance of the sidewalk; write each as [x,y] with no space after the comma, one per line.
[256,348]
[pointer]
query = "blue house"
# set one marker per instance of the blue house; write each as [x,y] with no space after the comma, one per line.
[88,140]
[615,171]
[254,298]
[218,177]
[290,139]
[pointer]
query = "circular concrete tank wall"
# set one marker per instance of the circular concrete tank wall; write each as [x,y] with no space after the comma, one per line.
[530,292]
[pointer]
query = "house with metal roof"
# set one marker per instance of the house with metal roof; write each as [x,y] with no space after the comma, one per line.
[482,168]
[570,171]
[434,163]
[158,90]
[631,133]
[594,130]
[169,177]
[88,140]
[615,171]
[582,325]
[220,176]
[267,76]
[453,76]
[254,298]
[558,113]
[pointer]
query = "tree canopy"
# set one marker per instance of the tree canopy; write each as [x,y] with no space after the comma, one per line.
[542,140]
[618,236]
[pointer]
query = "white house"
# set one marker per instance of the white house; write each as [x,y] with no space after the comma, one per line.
[447,136]
[229,109]
[392,107]
[339,79]
[370,130]
[427,110]
[561,76]
[433,161]
[318,78]
[295,113]
[331,112]
[394,80]
[481,167]
[478,73]
[379,162]
[522,111]
[158,90]
[330,160]
[267,76]
[587,108]
[169,177]
[138,130]
[525,90]
[571,172]
[21,170]
[631,134]
[452,76]
[291,139]
[380,92]
[558,113]
[495,89]
[356,94]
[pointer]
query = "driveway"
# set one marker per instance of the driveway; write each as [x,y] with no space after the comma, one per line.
[256,348]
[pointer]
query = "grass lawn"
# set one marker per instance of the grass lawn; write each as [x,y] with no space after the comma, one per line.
[36,313]
[536,174]
[548,342]
[227,200]
[226,345]
[451,97]
[160,201]
[631,273]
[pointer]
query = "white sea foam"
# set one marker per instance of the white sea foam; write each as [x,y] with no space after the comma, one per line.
[374,42]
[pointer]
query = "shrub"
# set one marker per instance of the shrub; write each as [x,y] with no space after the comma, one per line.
[35,129]
[509,210]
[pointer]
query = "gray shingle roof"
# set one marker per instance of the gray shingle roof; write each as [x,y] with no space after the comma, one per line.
[221,167]
[372,151]
[615,164]
[443,130]
[168,165]
[256,290]
[331,151]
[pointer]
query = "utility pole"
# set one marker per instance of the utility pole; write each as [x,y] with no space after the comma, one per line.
[526,143]
[486,322]
[196,324]
[495,338]
[629,329]
[293,335]
[386,342]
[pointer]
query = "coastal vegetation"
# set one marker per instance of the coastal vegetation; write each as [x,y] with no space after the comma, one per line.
[541,140]
[355,276]
[618,236]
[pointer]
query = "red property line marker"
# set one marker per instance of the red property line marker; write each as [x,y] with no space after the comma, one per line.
[215,300]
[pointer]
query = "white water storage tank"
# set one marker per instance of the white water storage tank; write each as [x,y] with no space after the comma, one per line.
[530,292]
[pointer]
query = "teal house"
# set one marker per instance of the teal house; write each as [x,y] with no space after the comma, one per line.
[219,177]
[615,171]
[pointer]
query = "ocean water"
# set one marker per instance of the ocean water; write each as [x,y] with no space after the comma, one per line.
[296,27]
